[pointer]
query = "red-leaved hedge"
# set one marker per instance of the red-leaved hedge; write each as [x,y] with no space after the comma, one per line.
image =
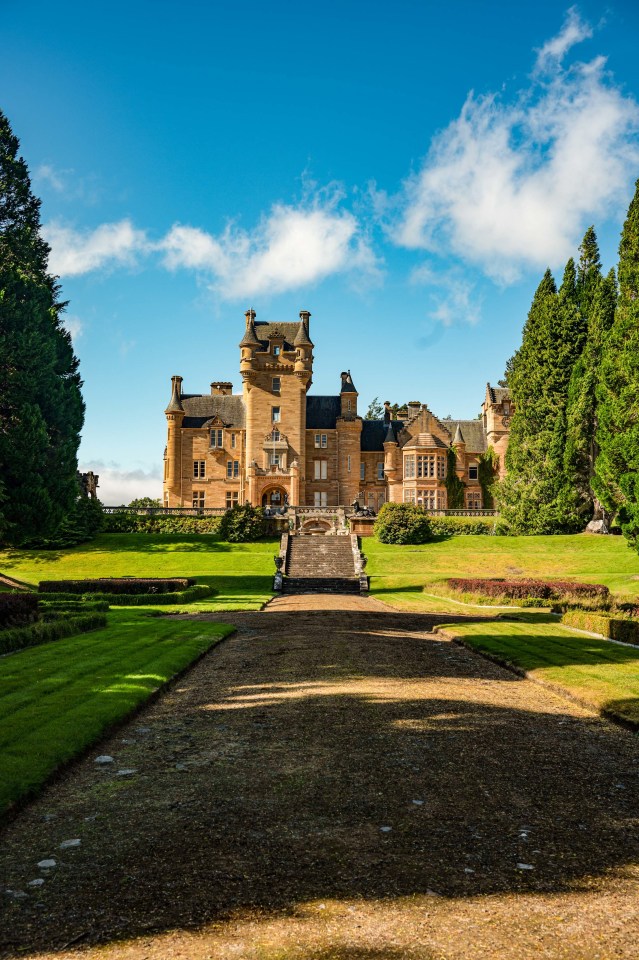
[118,585]
[18,609]
[523,589]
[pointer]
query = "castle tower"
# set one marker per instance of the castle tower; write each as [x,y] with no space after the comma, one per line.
[460,453]
[349,446]
[173,462]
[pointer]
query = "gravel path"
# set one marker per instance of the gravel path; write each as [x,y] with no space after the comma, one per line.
[334,781]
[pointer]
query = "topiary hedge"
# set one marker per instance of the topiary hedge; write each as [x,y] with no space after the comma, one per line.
[117,585]
[18,609]
[462,526]
[146,523]
[20,637]
[402,523]
[614,628]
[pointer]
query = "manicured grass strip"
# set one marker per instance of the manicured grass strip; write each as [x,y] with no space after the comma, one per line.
[596,672]
[57,699]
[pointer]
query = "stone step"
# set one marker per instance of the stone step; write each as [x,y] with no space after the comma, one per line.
[328,560]
[291,585]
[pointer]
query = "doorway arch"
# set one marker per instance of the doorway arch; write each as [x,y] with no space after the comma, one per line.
[275,497]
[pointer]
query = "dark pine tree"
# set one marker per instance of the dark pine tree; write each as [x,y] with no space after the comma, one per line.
[41,407]
[616,480]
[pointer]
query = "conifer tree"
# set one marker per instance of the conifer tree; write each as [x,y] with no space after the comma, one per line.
[41,407]
[616,480]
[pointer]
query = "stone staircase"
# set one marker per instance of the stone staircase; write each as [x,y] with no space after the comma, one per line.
[320,564]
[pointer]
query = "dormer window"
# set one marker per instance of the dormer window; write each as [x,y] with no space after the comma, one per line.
[275,436]
[276,349]
[217,438]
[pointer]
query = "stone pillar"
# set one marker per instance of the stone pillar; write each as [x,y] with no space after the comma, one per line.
[294,496]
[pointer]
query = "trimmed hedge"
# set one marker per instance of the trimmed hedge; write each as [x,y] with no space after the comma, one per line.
[614,628]
[147,523]
[117,585]
[37,633]
[528,589]
[18,609]
[78,605]
[402,523]
[461,526]
[196,592]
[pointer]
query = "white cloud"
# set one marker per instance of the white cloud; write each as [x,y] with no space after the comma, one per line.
[75,252]
[453,297]
[513,185]
[293,246]
[573,31]
[74,325]
[47,173]
[118,486]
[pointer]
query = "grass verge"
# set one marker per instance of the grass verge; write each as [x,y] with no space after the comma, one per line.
[58,699]
[597,673]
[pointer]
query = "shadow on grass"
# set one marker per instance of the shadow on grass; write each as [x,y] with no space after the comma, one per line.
[300,739]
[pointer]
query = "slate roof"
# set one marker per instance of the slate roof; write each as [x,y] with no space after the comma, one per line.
[200,408]
[322,412]
[347,385]
[288,330]
[474,436]
[374,433]
[426,440]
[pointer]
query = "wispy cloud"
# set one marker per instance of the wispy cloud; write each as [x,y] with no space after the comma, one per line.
[511,185]
[292,246]
[75,252]
[453,296]
[46,173]
[74,325]
[119,486]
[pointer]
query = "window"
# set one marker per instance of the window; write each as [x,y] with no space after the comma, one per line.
[321,440]
[275,436]
[362,471]
[473,471]
[199,469]
[431,499]
[409,496]
[275,460]
[232,499]
[473,500]
[232,469]
[321,498]
[233,436]
[429,465]
[275,414]
[380,470]
[409,466]
[348,461]
[276,350]
[348,405]
[321,470]
[198,499]
[277,384]
[506,409]
[217,438]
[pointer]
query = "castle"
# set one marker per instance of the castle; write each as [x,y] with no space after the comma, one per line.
[276,444]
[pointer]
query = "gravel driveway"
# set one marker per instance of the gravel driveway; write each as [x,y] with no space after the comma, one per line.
[335,781]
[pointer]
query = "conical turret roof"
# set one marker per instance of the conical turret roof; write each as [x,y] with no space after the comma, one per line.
[389,436]
[459,436]
[175,403]
[302,338]
[250,337]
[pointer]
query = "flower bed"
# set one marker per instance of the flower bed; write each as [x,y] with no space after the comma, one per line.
[528,589]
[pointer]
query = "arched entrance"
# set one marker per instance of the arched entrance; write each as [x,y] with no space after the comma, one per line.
[275,497]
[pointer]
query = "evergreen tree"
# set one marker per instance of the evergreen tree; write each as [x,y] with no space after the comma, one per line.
[616,480]
[41,407]
[535,496]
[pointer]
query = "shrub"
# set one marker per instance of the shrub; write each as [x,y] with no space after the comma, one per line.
[21,637]
[614,628]
[402,523]
[242,524]
[196,592]
[461,526]
[49,609]
[145,523]
[18,609]
[117,585]
[528,589]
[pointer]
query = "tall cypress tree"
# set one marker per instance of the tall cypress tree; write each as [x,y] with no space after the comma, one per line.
[616,480]
[41,407]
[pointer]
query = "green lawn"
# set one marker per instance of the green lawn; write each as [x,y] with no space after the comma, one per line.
[242,573]
[598,672]
[58,698]
[400,574]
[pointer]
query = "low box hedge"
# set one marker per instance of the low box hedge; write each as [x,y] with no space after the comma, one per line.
[196,592]
[79,605]
[18,609]
[20,637]
[136,523]
[118,585]
[462,526]
[614,628]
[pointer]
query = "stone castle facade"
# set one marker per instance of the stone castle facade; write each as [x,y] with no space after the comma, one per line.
[276,444]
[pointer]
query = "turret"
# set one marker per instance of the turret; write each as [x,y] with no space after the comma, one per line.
[174,417]
[460,452]
[303,350]
[248,345]
[348,396]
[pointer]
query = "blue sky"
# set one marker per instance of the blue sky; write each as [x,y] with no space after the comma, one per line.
[404,170]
